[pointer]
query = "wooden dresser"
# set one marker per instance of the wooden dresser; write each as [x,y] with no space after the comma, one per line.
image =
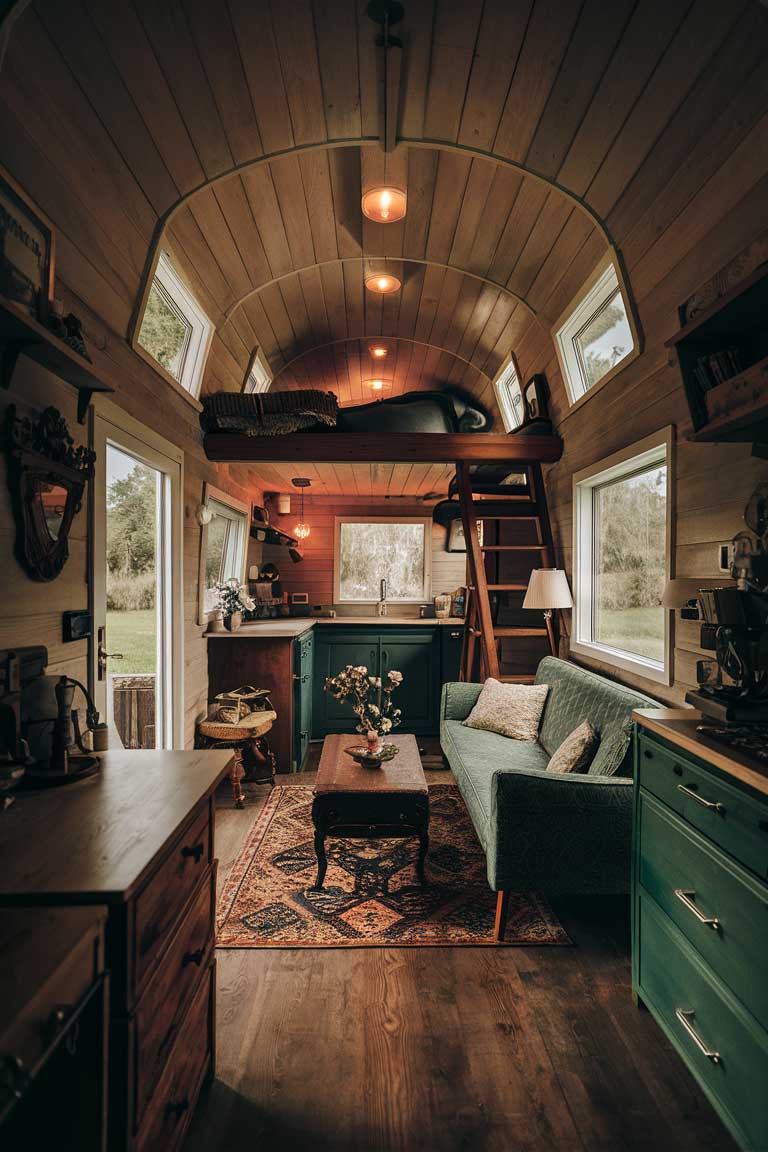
[138,839]
[700,911]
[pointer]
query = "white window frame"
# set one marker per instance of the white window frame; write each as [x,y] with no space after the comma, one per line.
[339,521]
[653,450]
[507,375]
[258,378]
[179,297]
[599,289]
[241,516]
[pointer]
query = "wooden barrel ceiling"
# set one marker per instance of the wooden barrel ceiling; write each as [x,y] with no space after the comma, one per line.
[530,137]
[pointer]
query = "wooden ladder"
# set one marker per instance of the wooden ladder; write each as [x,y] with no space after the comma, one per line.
[487,599]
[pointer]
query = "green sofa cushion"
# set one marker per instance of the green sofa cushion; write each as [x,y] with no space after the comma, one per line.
[475,755]
[576,695]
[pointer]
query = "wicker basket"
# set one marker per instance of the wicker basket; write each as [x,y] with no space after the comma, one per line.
[231,707]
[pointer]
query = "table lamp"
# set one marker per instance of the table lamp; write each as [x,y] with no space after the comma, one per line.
[548,589]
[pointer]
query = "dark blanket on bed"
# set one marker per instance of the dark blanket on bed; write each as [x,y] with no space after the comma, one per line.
[278,413]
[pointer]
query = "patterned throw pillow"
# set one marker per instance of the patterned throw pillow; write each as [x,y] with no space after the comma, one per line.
[512,710]
[577,751]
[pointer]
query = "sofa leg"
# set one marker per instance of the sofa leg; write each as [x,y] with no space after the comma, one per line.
[502,907]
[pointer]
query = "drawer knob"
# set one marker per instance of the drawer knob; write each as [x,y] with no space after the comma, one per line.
[177,1108]
[194,850]
[647,753]
[713,805]
[195,957]
[687,900]
[14,1076]
[685,1017]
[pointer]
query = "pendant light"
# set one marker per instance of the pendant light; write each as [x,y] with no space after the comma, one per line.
[302,529]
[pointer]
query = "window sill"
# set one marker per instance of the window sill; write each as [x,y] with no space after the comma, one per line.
[614,372]
[166,376]
[626,662]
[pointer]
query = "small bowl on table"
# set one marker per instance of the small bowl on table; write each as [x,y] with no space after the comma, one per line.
[368,757]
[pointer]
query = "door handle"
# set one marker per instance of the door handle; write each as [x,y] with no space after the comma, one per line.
[103,656]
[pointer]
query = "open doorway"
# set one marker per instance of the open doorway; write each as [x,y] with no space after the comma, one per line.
[137,585]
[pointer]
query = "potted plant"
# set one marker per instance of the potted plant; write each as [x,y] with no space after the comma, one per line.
[232,600]
[370,698]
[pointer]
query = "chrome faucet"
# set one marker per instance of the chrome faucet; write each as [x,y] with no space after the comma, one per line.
[381,607]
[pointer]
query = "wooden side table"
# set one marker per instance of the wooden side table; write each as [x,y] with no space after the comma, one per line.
[251,733]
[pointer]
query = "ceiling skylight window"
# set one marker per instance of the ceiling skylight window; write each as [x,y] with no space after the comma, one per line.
[595,336]
[509,396]
[174,331]
[259,376]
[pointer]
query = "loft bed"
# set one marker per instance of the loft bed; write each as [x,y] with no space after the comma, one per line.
[433,427]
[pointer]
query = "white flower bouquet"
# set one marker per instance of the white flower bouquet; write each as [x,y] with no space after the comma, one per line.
[369,696]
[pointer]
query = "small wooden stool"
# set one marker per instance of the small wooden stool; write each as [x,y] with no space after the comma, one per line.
[250,732]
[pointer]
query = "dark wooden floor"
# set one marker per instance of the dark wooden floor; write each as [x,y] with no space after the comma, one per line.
[442,1049]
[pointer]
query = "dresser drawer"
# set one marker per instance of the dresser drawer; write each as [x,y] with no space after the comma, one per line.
[158,905]
[695,883]
[161,1011]
[728,816]
[701,1017]
[175,1094]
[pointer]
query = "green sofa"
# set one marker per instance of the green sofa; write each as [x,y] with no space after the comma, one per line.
[545,831]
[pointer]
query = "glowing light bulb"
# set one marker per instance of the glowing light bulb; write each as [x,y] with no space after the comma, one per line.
[302,531]
[378,385]
[378,351]
[382,283]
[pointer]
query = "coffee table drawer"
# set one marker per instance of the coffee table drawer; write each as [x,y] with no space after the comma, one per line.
[719,906]
[728,816]
[722,1045]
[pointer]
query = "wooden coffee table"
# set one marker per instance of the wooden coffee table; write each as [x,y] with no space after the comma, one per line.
[363,803]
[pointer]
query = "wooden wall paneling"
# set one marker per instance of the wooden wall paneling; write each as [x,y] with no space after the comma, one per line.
[473,214]
[450,183]
[168,31]
[595,38]
[258,52]
[297,47]
[235,207]
[219,53]
[499,40]
[318,194]
[551,22]
[529,201]
[218,236]
[453,42]
[696,41]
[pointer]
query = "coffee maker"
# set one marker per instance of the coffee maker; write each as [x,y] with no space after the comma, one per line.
[733,685]
[41,741]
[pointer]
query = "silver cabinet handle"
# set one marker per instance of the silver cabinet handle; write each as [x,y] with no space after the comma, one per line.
[714,805]
[683,1017]
[687,900]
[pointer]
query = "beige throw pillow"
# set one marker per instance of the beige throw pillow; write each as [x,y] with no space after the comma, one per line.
[577,751]
[512,710]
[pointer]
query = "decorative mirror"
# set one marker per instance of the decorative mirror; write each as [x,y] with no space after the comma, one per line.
[46,477]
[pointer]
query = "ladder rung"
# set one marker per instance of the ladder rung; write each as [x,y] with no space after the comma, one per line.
[520,631]
[529,679]
[514,547]
[507,587]
[526,511]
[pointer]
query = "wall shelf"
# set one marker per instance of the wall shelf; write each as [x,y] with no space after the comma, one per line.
[23,335]
[734,408]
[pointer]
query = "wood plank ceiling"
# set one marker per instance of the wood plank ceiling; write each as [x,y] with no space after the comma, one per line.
[239,135]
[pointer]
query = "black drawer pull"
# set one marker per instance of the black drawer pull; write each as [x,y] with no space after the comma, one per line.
[195,957]
[713,805]
[177,1109]
[677,769]
[195,851]
[647,753]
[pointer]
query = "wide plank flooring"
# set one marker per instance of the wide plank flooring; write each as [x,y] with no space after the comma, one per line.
[443,1049]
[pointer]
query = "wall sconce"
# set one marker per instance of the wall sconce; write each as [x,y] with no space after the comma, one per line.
[204,515]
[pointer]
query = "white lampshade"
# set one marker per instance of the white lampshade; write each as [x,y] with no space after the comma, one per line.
[547,589]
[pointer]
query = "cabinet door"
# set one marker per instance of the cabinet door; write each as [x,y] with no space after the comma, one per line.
[302,700]
[333,651]
[415,654]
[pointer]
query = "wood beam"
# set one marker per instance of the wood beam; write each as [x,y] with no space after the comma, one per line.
[402,447]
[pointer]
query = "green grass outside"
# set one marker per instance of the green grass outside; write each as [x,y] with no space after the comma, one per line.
[134,634]
[636,630]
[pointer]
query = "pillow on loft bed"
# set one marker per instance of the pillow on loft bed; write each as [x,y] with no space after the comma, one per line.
[268,413]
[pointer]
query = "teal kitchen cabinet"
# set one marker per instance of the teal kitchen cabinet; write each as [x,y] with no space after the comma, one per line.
[700,915]
[334,649]
[413,651]
[303,661]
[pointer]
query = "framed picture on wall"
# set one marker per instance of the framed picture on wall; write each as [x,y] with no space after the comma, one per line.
[26,250]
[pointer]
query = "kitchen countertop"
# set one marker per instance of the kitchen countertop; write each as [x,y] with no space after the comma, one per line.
[291,627]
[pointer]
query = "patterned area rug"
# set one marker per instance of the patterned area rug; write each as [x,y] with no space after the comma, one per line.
[371,896]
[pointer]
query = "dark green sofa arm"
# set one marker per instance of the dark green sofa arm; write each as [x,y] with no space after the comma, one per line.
[559,833]
[458,700]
